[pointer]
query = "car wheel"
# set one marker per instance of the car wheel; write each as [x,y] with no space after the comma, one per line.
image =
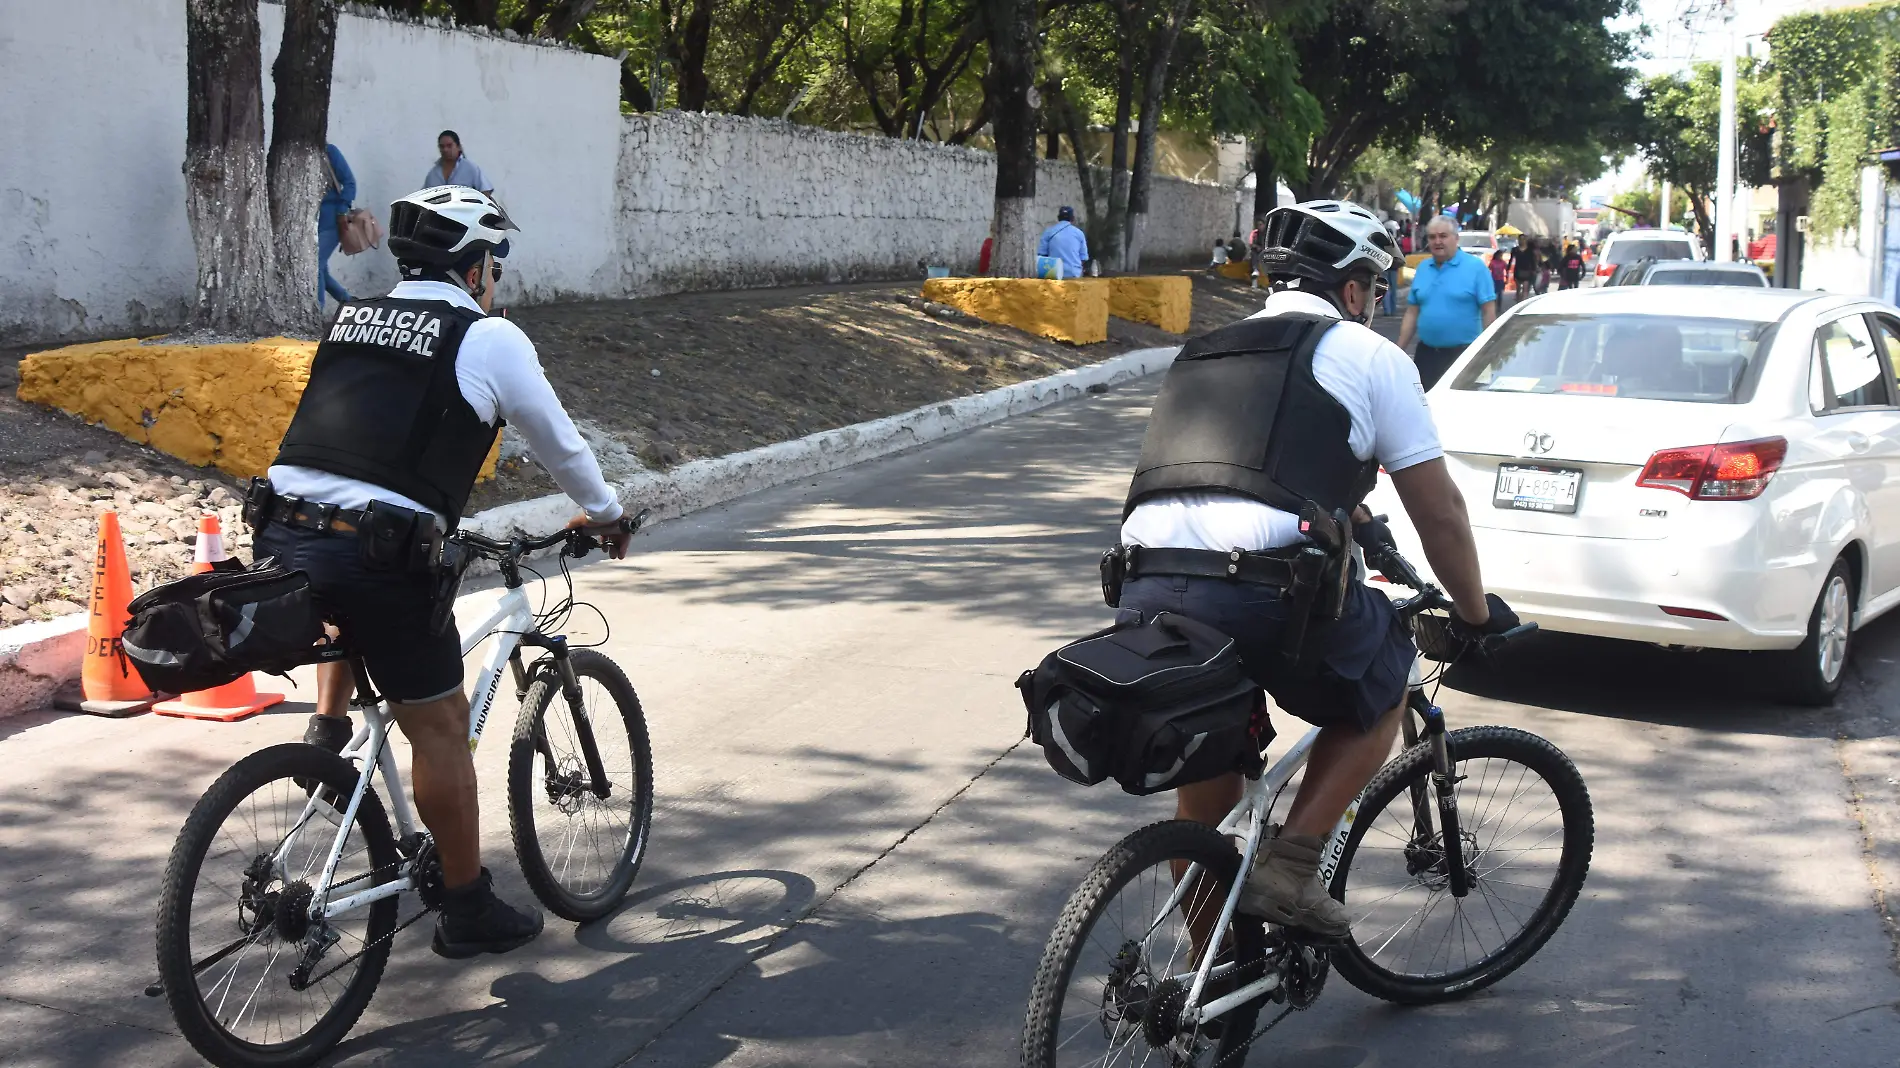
[1813,670]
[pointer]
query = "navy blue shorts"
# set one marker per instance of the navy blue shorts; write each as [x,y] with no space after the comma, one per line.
[384,615]
[1359,663]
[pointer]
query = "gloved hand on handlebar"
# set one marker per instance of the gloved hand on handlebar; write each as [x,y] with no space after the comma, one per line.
[613,534]
[1502,619]
[1373,536]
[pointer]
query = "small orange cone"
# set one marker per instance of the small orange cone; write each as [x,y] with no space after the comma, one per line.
[109,684]
[235,699]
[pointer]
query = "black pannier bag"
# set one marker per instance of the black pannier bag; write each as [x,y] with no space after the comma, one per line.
[207,630]
[1156,706]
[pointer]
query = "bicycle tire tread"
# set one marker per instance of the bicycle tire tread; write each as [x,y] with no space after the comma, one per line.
[1556,769]
[535,704]
[173,936]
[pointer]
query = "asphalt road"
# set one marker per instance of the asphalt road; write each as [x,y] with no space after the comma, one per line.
[855,862]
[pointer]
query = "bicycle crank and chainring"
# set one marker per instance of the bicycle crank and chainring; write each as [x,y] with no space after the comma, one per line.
[425,874]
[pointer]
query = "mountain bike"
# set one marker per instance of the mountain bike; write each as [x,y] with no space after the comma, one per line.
[280,900]
[1458,861]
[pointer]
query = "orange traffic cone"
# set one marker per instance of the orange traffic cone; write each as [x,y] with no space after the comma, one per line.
[235,699]
[108,684]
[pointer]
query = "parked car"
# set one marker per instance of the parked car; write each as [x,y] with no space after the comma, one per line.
[1704,466]
[1650,272]
[1626,245]
[1480,243]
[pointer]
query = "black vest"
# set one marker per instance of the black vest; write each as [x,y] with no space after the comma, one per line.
[1240,412]
[383,405]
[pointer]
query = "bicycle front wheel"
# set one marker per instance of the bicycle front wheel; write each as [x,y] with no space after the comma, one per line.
[253,981]
[580,789]
[1116,974]
[1526,831]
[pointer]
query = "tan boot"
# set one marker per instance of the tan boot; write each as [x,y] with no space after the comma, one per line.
[1284,888]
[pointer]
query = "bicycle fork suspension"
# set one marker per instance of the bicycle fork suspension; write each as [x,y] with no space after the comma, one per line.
[598,783]
[1443,797]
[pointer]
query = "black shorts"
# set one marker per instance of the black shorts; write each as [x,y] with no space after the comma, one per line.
[1360,662]
[384,615]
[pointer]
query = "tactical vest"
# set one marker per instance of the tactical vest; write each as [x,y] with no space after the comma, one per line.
[383,404]
[1240,412]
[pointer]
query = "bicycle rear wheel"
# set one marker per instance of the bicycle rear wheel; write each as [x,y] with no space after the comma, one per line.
[1526,829]
[252,981]
[1116,972]
[580,826]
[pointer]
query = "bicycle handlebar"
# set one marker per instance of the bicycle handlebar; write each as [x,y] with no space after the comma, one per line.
[1386,558]
[578,542]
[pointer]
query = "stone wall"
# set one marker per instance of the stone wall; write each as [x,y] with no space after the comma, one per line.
[92,96]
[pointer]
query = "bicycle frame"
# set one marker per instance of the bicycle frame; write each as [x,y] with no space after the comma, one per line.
[1256,802]
[510,621]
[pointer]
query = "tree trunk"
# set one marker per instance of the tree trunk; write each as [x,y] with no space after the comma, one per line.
[1084,174]
[300,121]
[1154,90]
[689,48]
[1012,35]
[225,194]
[1266,182]
[1127,14]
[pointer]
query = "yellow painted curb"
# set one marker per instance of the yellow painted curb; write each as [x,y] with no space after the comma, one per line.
[1073,310]
[221,405]
[1167,301]
[1239,270]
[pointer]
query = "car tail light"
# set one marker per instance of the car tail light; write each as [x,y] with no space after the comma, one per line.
[1736,471]
[1604,269]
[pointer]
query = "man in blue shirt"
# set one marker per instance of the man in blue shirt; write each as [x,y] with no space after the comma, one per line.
[1066,242]
[1451,302]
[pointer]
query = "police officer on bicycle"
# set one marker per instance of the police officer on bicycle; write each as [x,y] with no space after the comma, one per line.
[1297,408]
[406,396]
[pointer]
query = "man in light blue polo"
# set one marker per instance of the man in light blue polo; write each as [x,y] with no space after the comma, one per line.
[1066,242]
[1451,302]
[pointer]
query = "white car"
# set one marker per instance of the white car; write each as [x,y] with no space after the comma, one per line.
[1697,466]
[1626,246]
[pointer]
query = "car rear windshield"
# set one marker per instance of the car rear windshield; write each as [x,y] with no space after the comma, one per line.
[1703,276]
[1474,240]
[1651,357]
[1659,248]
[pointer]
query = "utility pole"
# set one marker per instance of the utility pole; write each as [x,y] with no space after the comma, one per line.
[1662,209]
[1725,143]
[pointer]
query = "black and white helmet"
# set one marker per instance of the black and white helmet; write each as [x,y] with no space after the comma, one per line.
[446,226]
[1325,240]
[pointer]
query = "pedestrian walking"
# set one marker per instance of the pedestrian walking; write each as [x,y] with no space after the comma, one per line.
[1500,267]
[1066,243]
[337,200]
[1553,261]
[1570,267]
[1524,260]
[1450,303]
[455,168]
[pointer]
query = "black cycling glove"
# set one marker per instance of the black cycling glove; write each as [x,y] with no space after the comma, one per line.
[1374,537]
[1502,619]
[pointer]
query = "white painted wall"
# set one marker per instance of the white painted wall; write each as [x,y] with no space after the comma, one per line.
[1849,261]
[543,123]
[92,97]
[93,236]
[718,202]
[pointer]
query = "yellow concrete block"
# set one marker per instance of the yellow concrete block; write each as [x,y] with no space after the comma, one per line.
[1239,270]
[1167,301]
[221,405]
[1073,310]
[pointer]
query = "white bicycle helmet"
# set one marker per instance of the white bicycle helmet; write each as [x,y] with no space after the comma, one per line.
[446,226]
[1325,240]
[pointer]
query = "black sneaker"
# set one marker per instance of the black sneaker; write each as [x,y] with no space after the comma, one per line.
[474,921]
[330,734]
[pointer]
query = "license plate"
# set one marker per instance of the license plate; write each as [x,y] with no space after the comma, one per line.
[1537,489]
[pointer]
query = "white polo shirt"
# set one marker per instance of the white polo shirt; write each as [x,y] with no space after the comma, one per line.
[1372,378]
[500,376]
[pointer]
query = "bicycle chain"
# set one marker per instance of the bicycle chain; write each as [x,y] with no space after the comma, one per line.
[1240,1051]
[398,929]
